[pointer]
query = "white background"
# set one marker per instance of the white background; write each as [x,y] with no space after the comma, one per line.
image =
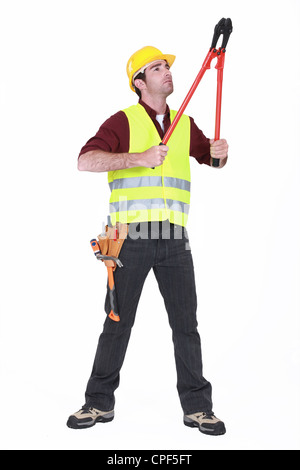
[63,72]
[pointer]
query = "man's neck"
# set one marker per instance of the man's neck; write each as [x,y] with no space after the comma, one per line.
[159,104]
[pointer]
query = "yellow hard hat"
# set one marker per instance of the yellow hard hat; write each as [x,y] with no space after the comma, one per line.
[142,58]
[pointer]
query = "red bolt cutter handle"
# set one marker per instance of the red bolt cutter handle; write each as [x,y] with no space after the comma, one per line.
[223,27]
[206,65]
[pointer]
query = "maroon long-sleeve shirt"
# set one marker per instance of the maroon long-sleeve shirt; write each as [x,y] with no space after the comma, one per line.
[113,136]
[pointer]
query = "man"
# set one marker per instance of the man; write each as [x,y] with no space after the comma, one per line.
[150,186]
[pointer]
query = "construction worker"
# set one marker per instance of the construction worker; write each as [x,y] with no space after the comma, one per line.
[150,191]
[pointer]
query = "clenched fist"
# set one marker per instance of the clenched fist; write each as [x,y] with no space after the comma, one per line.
[218,149]
[154,156]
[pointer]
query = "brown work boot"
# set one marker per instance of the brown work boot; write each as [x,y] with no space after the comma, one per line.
[88,417]
[206,422]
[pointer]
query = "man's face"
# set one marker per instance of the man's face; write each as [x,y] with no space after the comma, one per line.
[159,78]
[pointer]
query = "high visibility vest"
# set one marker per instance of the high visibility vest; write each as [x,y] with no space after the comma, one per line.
[144,194]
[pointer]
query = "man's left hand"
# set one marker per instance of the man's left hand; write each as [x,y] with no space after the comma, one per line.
[219,149]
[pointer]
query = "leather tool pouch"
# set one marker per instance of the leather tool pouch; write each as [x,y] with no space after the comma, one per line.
[112,241]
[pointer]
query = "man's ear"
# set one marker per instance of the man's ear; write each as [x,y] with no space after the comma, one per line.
[140,84]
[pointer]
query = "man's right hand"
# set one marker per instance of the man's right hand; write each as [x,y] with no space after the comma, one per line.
[99,161]
[154,156]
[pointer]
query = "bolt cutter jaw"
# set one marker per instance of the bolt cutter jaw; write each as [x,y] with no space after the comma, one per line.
[223,27]
[226,33]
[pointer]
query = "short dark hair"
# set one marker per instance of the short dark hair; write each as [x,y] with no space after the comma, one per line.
[140,76]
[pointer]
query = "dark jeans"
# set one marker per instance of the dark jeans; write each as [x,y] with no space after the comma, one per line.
[172,264]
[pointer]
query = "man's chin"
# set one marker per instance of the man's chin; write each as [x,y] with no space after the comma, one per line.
[169,90]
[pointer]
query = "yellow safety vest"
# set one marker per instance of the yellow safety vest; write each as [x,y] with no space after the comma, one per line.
[144,194]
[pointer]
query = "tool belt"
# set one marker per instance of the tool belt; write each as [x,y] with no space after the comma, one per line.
[112,241]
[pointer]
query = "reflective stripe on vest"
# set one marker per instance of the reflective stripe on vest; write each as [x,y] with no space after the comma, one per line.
[143,194]
[144,181]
